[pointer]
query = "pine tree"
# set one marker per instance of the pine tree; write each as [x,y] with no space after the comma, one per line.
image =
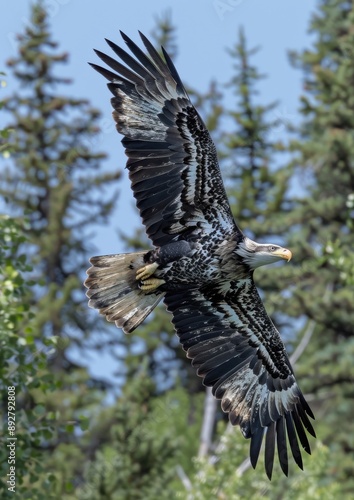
[57,171]
[21,370]
[152,437]
[257,187]
[225,477]
[54,178]
[257,183]
[324,281]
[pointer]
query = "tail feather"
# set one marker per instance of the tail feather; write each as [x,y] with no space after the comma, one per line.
[114,291]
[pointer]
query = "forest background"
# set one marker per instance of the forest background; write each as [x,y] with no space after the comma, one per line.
[100,415]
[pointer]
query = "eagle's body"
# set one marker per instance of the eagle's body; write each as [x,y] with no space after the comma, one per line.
[201,263]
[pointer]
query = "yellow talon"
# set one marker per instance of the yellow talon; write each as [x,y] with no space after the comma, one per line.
[151,285]
[146,271]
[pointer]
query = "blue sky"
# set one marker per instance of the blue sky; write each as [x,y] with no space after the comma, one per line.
[205,29]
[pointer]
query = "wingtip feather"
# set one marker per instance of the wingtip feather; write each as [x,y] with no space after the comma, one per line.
[269,450]
[282,447]
[255,447]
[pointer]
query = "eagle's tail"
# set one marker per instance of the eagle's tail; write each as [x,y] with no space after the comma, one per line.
[114,290]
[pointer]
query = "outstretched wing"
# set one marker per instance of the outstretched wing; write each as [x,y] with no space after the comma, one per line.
[237,350]
[172,160]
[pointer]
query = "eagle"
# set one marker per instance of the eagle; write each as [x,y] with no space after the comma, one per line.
[200,263]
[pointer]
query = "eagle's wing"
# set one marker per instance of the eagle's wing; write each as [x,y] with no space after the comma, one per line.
[238,351]
[172,161]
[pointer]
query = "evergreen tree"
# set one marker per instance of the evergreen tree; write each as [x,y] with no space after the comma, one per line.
[225,477]
[55,167]
[54,177]
[257,186]
[22,369]
[20,363]
[324,280]
[152,438]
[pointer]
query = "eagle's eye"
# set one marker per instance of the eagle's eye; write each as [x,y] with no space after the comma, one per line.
[272,248]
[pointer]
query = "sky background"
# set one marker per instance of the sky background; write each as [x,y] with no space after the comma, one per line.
[205,30]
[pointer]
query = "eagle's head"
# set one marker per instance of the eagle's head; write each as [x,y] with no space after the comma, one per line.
[259,254]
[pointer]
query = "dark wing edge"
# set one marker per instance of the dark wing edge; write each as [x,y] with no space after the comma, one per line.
[236,349]
[172,160]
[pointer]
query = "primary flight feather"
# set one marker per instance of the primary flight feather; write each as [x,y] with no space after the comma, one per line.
[201,263]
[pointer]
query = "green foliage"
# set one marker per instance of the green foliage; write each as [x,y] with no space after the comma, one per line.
[224,476]
[257,188]
[324,286]
[22,366]
[6,131]
[54,161]
[149,437]
[51,140]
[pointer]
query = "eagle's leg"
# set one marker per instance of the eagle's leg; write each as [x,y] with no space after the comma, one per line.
[158,258]
[150,285]
[145,272]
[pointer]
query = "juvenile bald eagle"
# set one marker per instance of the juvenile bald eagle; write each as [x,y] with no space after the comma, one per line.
[201,263]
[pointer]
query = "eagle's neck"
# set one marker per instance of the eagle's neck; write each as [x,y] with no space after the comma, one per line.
[246,249]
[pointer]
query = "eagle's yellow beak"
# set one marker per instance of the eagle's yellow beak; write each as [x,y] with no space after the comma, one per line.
[283,253]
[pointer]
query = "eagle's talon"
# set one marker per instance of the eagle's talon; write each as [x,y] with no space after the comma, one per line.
[145,272]
[151,285]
